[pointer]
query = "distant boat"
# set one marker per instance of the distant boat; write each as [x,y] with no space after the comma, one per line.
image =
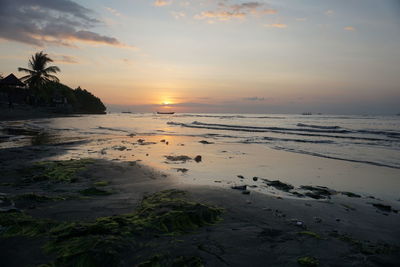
[306,113]
[126,112]
[160,112]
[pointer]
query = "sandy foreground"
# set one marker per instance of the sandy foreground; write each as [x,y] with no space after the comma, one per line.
[253,229]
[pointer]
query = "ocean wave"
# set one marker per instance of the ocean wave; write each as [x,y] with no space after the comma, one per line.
[227,116]
[286,131]
[318,126]
[197,124]
[315,154]
[112,129]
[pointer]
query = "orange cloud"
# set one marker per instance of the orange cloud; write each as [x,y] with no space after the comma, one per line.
[162,3]
[349,28]
[277,25]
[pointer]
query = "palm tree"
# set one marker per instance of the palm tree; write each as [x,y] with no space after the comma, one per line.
[39,74]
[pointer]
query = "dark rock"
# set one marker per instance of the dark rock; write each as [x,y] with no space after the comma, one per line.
[182,170]
[246,192]
[317,192]
[240,176]
[239,187]
[178,158]
[198,158]
[204,142]
[350,194]
[382,207]
[255,178]
[280,185]
[162,141]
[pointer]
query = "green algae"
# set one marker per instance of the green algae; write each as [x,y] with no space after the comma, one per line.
[93,191]
[37,197]
[56,171]
[366,247]
[310,234]
[14,223]
[166,261]
[101,183]
[308,261]
[100,243]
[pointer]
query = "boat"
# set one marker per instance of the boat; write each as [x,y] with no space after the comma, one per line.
[126,112]
[306,113]
[170,113]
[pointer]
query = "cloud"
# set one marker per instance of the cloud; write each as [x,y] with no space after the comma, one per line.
[64,59]
[277,25]
[329,12]
[225,11]
[254,98]
[113,11]
[349,28]
[51,22]
[178,15]
[162,3]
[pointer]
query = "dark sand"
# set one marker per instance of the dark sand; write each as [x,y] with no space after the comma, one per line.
[256,229]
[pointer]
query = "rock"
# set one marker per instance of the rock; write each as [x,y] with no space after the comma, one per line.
[255,178]
[239,187]
[240,177]
[280,185]
[382,207]
[182,158]
[299,223]
[204,142]
[162,141]
[131,135]
[182,170]
[350,194]
[167,143]
[317,219]
[337,219]
[246,192]
[140,141]
[317,192]
[198,158]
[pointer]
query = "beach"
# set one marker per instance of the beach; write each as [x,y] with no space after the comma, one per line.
[245,204]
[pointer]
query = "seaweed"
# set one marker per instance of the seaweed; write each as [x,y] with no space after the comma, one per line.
[100,243]
[56,171]
[15,223]
[310,234]
[102,183]
[37,197]
[308,261]
[93,191]
[167,261]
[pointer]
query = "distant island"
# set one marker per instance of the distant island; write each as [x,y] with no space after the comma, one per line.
[41,90]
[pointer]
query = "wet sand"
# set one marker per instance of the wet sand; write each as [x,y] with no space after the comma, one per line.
[256,229]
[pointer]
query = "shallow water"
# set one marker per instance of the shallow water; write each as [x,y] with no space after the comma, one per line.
[358,153]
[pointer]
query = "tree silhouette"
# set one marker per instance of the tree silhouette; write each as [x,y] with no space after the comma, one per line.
[39,73]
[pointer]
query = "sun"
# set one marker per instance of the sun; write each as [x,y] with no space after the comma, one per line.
[166,103]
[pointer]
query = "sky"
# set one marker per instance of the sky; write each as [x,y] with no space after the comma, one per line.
[224,56]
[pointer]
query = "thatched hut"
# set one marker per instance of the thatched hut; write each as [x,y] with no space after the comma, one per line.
[12,90]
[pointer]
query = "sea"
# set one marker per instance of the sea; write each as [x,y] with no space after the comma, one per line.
[363,141]
[371,140]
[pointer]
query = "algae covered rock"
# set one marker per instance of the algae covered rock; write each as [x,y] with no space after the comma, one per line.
[56,171]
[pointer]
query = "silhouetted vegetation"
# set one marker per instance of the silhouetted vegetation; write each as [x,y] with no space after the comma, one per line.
[42,88]
[39,73]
